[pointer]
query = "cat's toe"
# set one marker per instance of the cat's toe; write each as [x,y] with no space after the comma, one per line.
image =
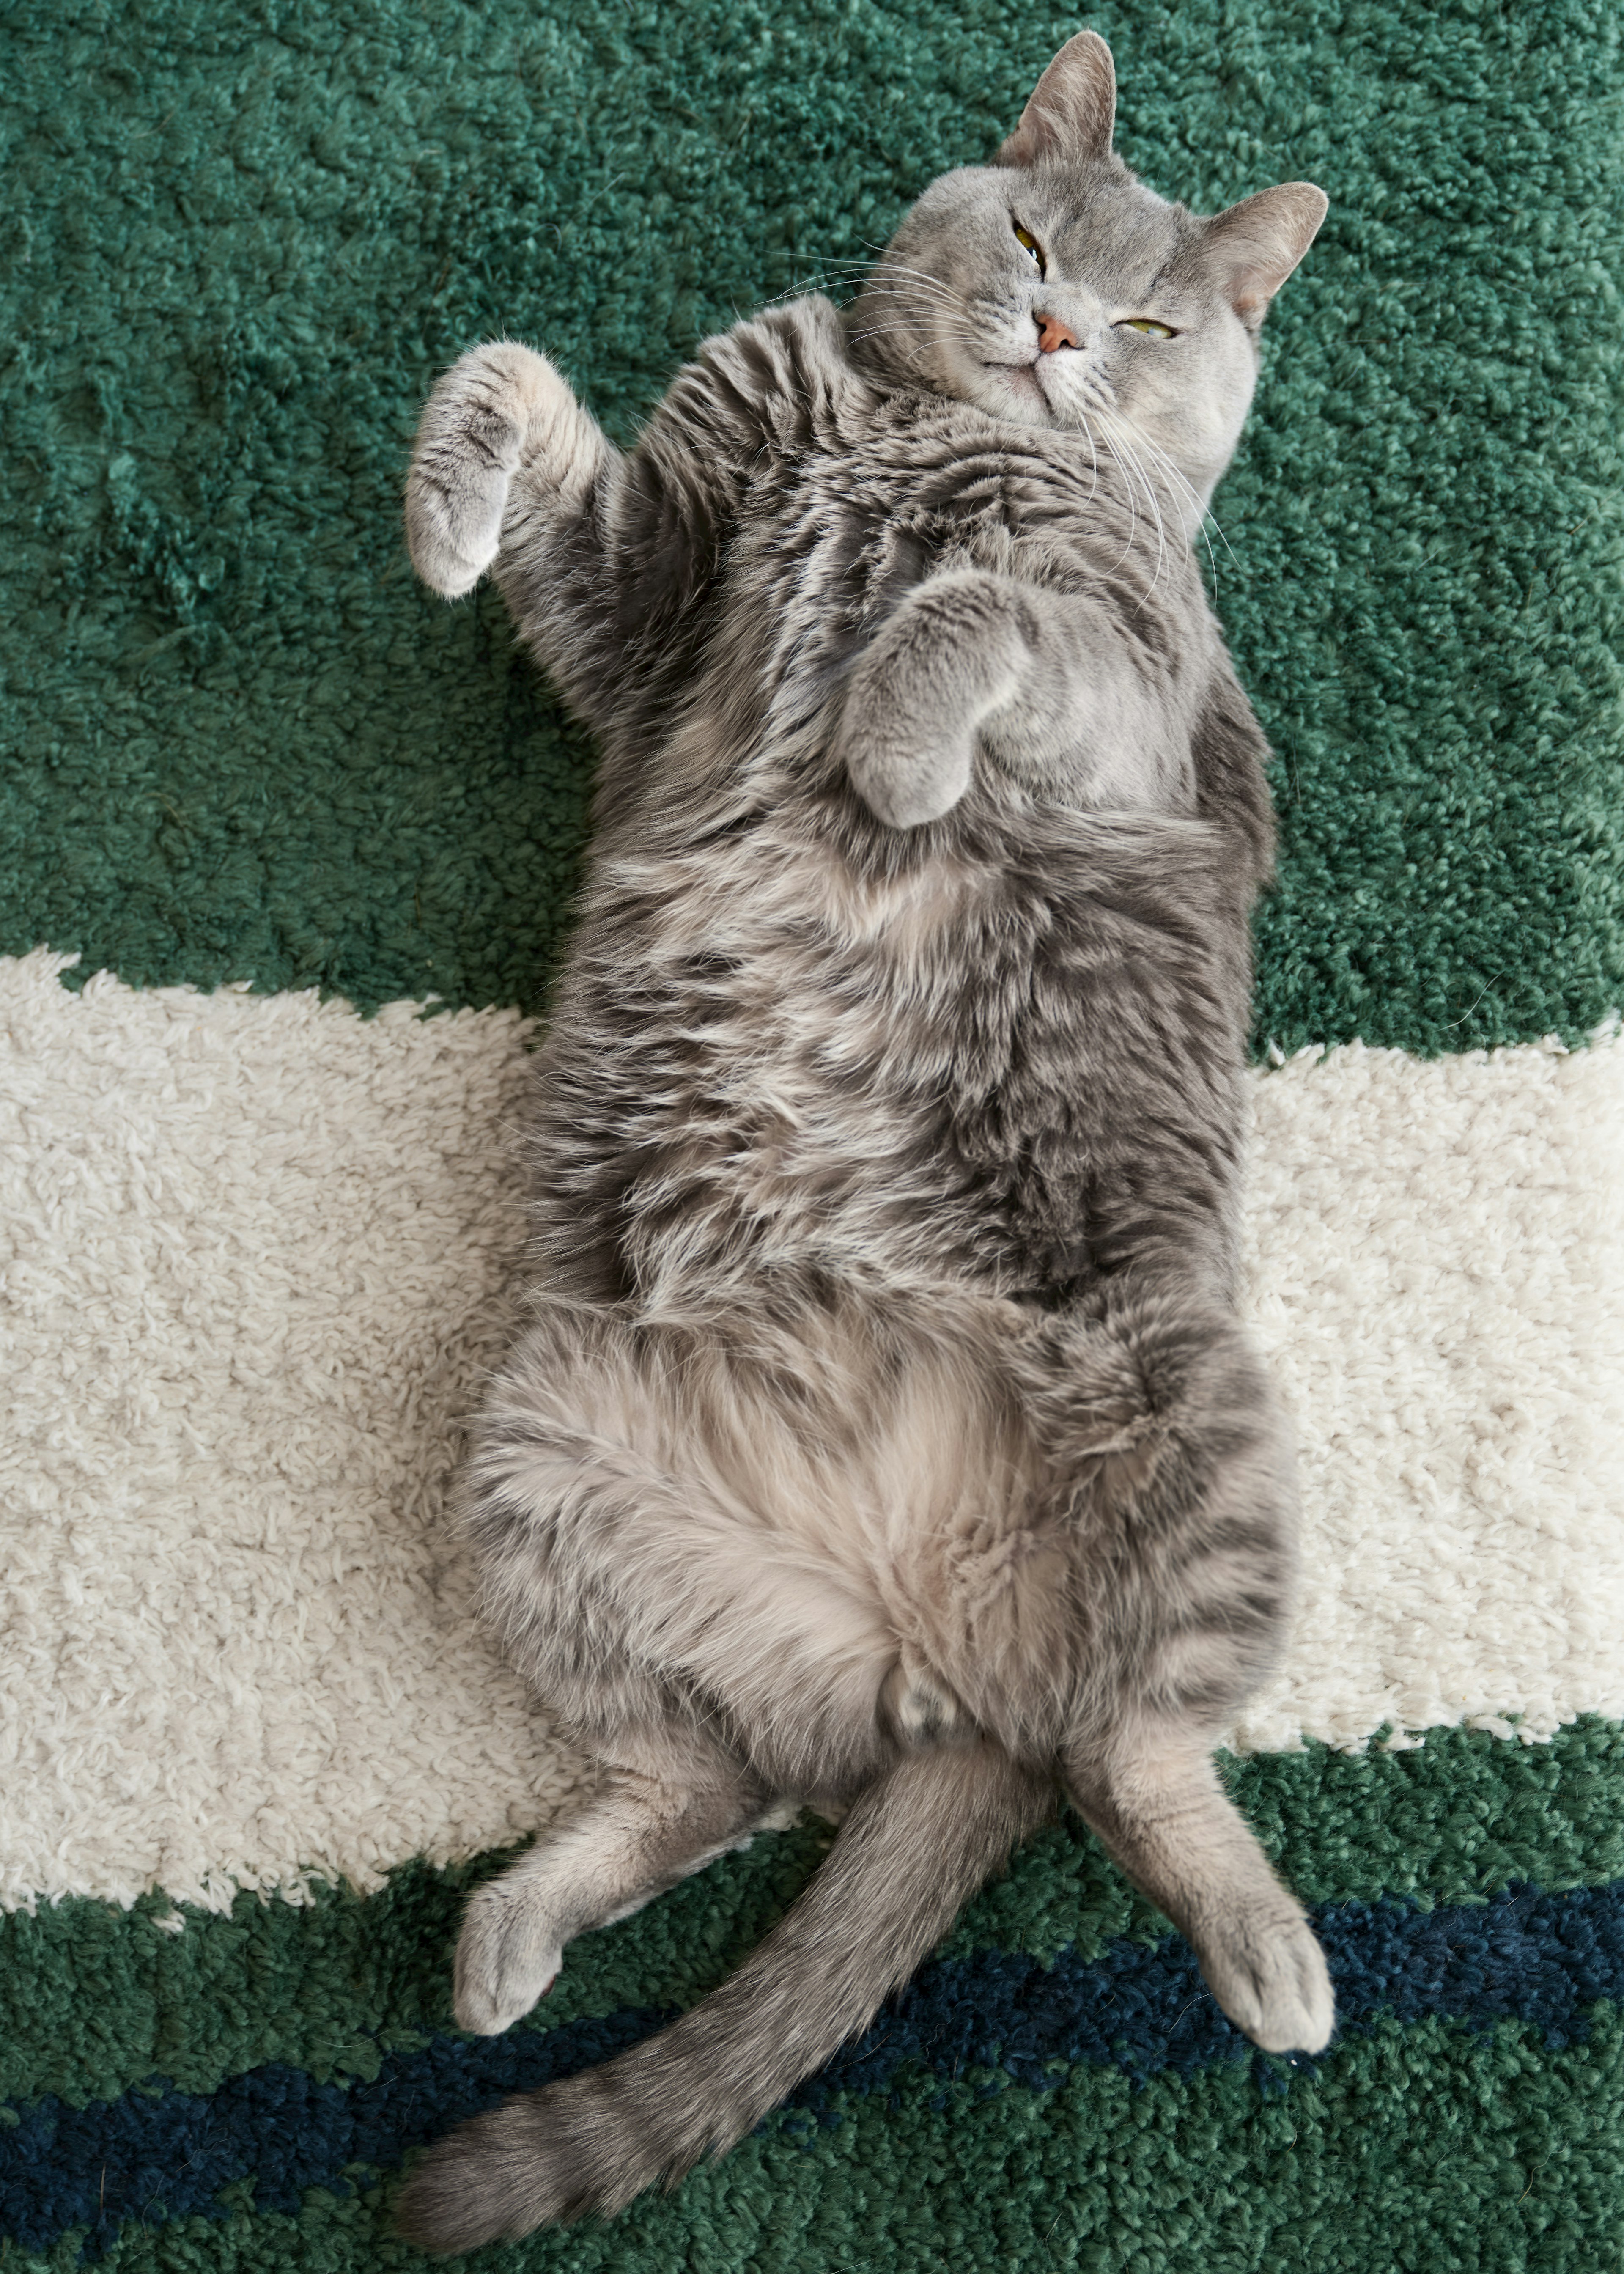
[1271,1979]
[505,1960]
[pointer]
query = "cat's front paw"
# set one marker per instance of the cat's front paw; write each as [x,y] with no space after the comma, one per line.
[490,406]
[507,1958]
[905,783]
[949,657]
[1270,1977]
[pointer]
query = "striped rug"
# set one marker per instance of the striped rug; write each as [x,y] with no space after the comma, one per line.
[286,848]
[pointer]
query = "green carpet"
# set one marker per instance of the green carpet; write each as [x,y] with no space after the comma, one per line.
[238,243]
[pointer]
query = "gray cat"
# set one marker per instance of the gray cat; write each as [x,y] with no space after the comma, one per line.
[884,1438]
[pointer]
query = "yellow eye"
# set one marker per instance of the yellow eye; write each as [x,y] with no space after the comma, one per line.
[1150,328]
[1024,237]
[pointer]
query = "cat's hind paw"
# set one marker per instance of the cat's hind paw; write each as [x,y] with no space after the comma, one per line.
[1270,1977]
[506,1959]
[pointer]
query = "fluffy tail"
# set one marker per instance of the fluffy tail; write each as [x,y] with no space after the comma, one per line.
[913,1849]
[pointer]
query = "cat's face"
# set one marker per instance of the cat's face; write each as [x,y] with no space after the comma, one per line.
[1055,289]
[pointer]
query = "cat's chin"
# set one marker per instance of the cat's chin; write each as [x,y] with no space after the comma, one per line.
[1014,391]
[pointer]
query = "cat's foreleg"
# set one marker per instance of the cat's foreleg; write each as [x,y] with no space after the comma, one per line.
[644,1830]
[1035,680]
[504,455]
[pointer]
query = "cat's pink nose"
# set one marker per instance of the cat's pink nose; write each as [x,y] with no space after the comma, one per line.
[1053,334]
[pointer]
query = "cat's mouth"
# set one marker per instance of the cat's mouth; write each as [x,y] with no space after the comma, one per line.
[1023,377]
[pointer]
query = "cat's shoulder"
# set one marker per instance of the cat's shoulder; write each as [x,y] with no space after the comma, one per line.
[792,345]
[771,381]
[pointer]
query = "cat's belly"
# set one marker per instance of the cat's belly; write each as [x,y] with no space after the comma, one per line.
[759,1083]
[768,1513]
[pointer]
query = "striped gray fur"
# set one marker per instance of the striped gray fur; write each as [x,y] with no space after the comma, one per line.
[884,1438]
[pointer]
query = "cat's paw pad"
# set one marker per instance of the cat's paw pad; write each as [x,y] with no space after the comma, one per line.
[1270,1978]
[507,1958]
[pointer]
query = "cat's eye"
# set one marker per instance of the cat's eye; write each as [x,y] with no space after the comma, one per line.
[1029,244]
[1149,325]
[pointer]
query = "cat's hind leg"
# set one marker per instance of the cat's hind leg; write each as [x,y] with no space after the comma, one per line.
[1154,1801]
[1180,1487]
[501,421]
[661,1811]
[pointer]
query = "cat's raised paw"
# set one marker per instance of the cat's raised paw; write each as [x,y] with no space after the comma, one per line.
[1270,1977]
[495,406]
[507,1958]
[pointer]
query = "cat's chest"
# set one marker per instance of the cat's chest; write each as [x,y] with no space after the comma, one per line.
[852,529]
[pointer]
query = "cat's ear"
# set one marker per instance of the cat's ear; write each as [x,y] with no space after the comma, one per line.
[1256,245]
[1072,111]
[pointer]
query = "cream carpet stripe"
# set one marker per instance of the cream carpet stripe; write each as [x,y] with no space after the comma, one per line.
[257,1251]
[1436,1259]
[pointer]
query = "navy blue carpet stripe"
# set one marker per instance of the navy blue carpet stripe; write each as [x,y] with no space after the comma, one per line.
[155,2153]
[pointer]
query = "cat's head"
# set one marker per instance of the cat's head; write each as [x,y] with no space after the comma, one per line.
[1053,289]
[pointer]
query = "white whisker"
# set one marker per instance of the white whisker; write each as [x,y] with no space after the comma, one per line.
[1172,474]
[1205,518]
[1109,423]
[902,269]
[1094,458]
[1133,464]
[904,291]
[1199,514]
[1155,503]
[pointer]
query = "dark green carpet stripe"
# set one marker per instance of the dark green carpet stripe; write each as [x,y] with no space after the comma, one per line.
[1551,1959]
[1418,2148]
[94,2000]
[239,240]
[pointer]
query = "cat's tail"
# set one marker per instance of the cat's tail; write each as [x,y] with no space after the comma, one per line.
[912,1850]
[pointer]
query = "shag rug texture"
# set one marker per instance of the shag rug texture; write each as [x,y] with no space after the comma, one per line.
[286,853]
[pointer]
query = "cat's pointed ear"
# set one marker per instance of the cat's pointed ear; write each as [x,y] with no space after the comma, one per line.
[1256,245]
[1072,110]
